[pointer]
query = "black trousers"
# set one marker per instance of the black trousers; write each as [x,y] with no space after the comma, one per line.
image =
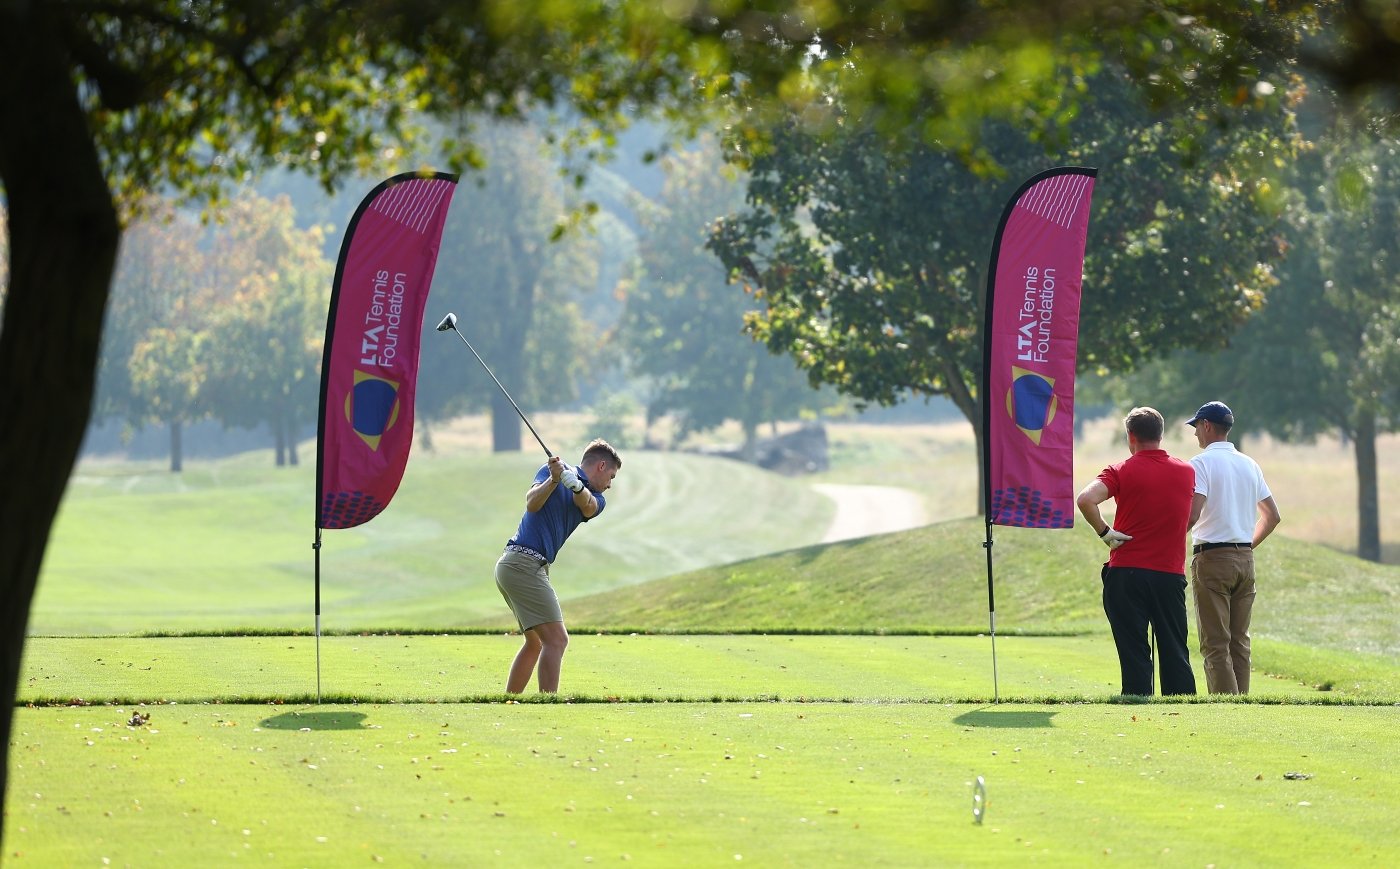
[1133,598]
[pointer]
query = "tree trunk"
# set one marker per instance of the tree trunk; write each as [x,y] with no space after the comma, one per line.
[749,450]
[505,422]
[177,447]
[505,425]
[279,439]
[971,408]
[286,423]
[978,436]
[515,318]
[63,247]
[1368,505]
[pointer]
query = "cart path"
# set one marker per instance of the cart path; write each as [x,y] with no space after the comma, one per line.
[865,510]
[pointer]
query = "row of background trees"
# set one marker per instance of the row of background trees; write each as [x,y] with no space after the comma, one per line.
[223,321]
[217,321]
[1251,260]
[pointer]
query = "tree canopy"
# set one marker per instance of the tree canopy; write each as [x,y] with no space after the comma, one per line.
[682,325]
[515,276]
[1330,330]
[871,261]
[263,344]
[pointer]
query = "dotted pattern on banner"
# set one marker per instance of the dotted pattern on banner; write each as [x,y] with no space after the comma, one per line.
[1027,508]
[348,509]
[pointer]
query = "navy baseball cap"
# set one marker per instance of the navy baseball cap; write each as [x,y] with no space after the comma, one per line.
[1213,411]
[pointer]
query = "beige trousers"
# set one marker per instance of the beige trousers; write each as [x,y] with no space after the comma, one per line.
[1222,582]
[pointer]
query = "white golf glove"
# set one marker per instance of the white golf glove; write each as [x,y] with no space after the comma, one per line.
[571,481]
[1113,538]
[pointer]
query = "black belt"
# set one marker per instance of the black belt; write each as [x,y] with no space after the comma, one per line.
[1202,547]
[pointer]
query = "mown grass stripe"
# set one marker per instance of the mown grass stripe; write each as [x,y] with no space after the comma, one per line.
[585,629]
[332,700]
[454,669]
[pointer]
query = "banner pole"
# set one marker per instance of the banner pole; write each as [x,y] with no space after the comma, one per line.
[317,546]
[992,612]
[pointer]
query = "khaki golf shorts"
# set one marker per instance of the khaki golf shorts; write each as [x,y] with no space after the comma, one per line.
[524,583]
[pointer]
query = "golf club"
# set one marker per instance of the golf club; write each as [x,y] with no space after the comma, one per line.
[450,322]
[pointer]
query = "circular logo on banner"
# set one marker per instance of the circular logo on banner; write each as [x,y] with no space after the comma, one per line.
[1031,402]
[372,407]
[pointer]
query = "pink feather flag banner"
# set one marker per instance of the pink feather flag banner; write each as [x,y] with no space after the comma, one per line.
[369,370]
[1031,342]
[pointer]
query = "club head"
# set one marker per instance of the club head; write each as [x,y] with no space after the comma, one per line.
[448,322]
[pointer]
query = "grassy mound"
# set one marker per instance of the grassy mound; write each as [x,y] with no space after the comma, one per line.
[934,579]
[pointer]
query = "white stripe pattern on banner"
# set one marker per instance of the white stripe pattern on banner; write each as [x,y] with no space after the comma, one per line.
[413,203]
[1056,199]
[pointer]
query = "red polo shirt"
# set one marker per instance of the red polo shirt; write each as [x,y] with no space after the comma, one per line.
[1153,493]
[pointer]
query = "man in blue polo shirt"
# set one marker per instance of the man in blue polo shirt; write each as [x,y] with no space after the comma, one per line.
[559,500]
[1231,514]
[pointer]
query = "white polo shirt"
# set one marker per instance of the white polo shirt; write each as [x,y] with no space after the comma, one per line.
[1233,485]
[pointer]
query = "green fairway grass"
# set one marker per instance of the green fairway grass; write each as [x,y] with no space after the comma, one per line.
[648,668]
[227,545]
[768,784]
[733,692]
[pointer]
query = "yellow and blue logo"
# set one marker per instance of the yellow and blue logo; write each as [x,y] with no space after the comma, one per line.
[1031,402]
[372,407]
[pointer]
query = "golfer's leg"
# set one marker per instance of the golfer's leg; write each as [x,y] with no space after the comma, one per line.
[1129,624]
[555,640]
[1241,609]
[523,667]
[518,578]
[1169,622]
[1213,622]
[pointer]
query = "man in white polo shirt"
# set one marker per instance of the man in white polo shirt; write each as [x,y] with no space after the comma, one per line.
[1231,514]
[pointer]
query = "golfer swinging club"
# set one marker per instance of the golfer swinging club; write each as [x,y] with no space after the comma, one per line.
[560,498]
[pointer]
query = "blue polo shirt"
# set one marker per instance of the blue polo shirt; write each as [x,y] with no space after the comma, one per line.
[546,530]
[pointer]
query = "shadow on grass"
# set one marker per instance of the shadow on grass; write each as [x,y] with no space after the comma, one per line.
[315,721]
[1006,718]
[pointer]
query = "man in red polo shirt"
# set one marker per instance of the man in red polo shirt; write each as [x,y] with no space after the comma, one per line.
[1144,580]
